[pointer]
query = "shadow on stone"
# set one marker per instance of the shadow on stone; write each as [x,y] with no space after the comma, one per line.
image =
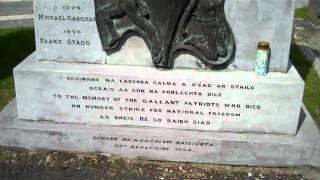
[302,117]
[308,52]
[299,61]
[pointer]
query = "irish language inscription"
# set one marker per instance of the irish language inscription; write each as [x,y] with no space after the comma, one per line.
[156,144]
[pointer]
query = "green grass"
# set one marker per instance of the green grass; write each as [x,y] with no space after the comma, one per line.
[311,96]
[301,12]
[15,44]
[18,43]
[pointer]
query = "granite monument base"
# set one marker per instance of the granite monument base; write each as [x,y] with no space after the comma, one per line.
[93,94]
[251,149]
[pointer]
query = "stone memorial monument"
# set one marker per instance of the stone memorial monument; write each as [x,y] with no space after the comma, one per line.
[165,80]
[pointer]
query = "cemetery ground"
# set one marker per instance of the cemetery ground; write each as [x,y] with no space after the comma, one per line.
[15,163]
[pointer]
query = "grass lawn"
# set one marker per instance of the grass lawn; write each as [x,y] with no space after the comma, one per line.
[18,43]
[15,45]
[311,96]
[301,12]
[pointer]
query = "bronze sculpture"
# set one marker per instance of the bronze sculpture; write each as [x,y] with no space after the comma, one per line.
[169,28]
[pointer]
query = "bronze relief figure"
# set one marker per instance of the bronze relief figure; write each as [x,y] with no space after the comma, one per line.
[169,28]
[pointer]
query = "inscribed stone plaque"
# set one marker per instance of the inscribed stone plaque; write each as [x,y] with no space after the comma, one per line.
[141,96]
[66,31]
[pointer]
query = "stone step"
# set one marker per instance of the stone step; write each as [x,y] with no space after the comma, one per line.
[270,150]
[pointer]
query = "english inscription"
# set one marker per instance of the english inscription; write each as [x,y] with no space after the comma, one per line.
[66,31]
[158,103]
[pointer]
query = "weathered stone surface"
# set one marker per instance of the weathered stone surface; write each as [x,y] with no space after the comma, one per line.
[67,31]
[314,11]
[144,96]
[258,20]
[251,21]
[166,144]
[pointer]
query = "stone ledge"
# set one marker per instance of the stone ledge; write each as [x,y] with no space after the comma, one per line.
[269,150]
[310,56]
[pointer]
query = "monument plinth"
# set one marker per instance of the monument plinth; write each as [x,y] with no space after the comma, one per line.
[253,149]
[235,101]
[169,81]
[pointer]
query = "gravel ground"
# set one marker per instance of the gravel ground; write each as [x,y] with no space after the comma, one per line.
[24,164]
